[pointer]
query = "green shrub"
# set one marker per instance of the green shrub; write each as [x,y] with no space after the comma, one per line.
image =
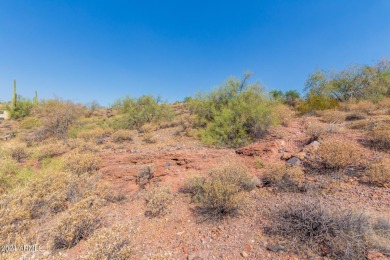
[30,122]
[315,103]
[21,109]
[234,114]
[139,111]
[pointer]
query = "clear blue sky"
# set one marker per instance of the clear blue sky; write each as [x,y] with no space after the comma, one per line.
[102,50]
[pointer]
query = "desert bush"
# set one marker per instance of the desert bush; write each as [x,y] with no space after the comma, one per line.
[139,111]
[121,136]
[363,107]
[355,116]
[8,173]
[149,139]
[285,178]
[319,130]
[145,174]
[94,134]
[378,173]
[332,116]
[380,137]
[30,122]
[109,243]
[58,116]
[316,103]
[339,153]
[44,195]
[312,225]
[76,225]
[234,114]
[222,192]
[50,150]
[79,163]
[258,164]
[21,109]
[157,200]
[194,186]
[18,153]
[284,114]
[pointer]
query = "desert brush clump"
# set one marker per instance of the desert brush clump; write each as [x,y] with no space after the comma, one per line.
[79,163]
[222,192]
[317,131]
[234,114]
[149,138]
[378,173]
[110,243]
[121,136]
[285,178]
[380,137]
[18,153]
[157,200]
[94,134]
[313,226]
[332,116]
[42,196]
[338,153]
[145,174]
[58,116]
[75,225]
[139,111]
[50,150]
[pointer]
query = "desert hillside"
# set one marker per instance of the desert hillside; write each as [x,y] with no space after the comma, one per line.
[75,184]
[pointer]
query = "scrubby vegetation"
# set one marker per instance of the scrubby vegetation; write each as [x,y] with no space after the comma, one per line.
[234,114]
[138,111]
[93,182]
[157,201]
[222,193]
[313,226]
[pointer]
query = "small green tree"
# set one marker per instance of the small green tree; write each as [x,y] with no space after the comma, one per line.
[291,97]
[233,114]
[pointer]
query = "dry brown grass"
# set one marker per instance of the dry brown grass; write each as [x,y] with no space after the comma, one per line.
[110,243]
[284,114]
[380,137]
[79,163]
[18,153]
[318,130]
[355,116]
[157,200]
[95,134]
[51,150]
[364,106]
[313,226]
[285,178]
[222,193]
[149,138]
[145,174]
[337,153]
[121,136]
[332,116]
[41,197]
[378,173]
[75,225]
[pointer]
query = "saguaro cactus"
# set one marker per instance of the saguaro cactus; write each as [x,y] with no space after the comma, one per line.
[14,97]
[36,98]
